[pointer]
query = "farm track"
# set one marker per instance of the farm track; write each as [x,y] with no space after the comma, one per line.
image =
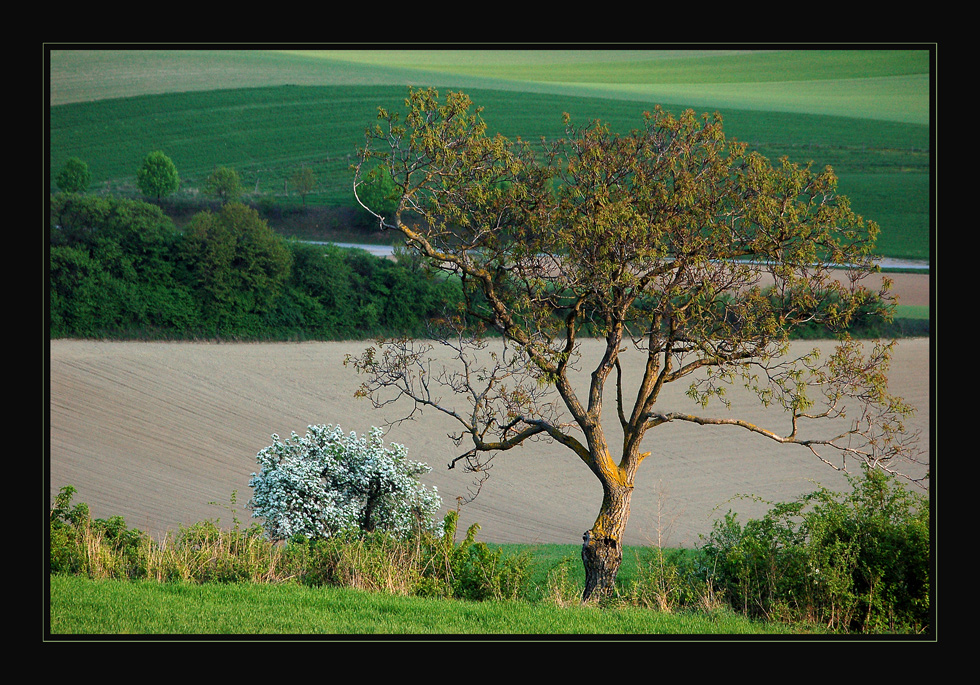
[157,432]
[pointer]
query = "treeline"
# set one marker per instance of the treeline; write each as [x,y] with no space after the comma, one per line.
[120,268]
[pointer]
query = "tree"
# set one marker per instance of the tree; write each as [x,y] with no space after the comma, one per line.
[224,184]
[325,483]
[379,192]
[157,176]
[304,181]
[74,176]
[235,261]
[657,242]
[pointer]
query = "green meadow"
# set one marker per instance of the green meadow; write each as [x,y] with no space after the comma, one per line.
[267,113]
[83,607]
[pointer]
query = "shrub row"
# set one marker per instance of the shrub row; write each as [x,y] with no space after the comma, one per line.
[857,562]
[120,268]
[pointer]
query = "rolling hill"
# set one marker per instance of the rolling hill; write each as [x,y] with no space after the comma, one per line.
[269,112]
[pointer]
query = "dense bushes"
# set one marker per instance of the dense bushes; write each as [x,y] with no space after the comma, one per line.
[98,548]
[853,562]
[110,268]
[120,268]
[857,562]
[236,266]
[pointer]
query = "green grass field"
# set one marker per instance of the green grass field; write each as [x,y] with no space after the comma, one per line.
[80,606]
[269,112]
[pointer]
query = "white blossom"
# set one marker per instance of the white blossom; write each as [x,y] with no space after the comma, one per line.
[327,482]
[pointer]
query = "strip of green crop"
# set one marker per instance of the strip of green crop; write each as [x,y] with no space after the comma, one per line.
[650,66]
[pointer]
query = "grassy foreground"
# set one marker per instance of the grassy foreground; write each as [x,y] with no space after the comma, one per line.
[834,563]
[80,606]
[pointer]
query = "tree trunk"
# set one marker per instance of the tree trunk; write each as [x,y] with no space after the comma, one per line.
[602,548]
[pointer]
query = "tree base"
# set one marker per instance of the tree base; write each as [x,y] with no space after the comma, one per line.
[601,558]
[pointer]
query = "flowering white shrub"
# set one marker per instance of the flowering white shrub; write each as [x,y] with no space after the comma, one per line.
[327,482]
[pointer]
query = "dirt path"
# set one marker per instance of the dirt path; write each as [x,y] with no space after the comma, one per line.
[155,432]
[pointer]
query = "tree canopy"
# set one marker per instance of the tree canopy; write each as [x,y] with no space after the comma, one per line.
[235,260]
[157,177]
[670,241]
[74,176]
[224,184]
[304,182]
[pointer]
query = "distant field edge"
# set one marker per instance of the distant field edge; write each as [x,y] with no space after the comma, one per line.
[888,85]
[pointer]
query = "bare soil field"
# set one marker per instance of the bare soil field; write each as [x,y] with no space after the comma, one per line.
[165,434]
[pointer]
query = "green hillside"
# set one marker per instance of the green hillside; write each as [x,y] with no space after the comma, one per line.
[267,113]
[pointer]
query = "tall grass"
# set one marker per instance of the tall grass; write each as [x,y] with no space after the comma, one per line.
[427,565]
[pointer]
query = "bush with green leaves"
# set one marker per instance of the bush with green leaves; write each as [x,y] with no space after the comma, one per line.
[378,191]
[98,548]
[470,570]
[120,268]
[855,562]
[236,265]
[112,269]
[431,564]
[328,482]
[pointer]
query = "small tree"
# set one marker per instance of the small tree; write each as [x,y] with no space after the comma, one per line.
[304,182]
[224,184]
[327,482]
[657,242]
[379,192]
[74,176]
[157,176]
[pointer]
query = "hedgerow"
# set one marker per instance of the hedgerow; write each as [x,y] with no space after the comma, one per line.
[121,269]
[843,562]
